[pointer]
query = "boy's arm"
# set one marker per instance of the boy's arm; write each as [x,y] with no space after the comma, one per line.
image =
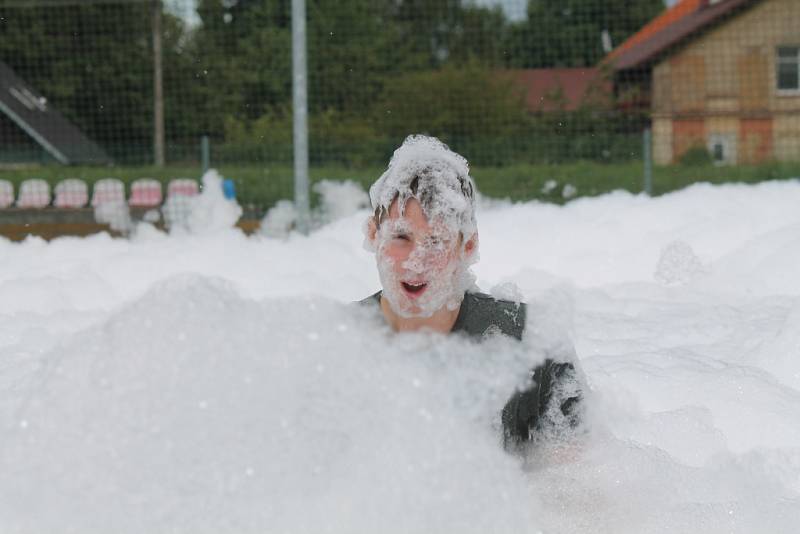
[527,412]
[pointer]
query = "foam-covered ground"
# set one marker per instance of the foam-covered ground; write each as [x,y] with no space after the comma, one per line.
[211,382]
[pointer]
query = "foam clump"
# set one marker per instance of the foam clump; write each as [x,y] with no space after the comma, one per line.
[548,187]
[507,291]
[569,191]
[280,220]
[211,211]
[339,199]
[208,212]
[116,215]
[678,264]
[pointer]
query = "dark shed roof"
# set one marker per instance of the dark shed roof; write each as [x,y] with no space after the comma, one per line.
[30,111]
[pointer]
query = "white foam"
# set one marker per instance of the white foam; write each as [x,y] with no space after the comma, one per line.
[125,402]
[194,409]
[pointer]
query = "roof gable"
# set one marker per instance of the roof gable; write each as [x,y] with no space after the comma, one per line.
[681,21]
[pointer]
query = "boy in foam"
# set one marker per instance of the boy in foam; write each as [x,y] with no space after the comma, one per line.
[424,236]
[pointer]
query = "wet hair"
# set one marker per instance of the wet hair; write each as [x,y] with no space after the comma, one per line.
[425,196]
[427,170]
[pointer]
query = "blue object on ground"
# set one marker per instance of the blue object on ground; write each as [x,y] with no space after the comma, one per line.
[229,189]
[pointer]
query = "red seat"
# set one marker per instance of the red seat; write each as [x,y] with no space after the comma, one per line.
[145,193]
[182,187]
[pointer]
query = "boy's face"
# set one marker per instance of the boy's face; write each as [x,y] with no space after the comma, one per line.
[421,263]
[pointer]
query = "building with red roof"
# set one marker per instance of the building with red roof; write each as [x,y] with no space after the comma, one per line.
[719,74]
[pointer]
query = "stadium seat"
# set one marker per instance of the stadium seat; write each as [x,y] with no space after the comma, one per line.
[108,191]
[34,193]
[145,193]
[6,194]
[71,193]
[183,187]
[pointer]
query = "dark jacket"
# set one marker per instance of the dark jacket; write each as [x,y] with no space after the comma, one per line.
[525,413]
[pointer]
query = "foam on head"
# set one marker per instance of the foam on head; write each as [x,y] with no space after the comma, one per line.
[426,169]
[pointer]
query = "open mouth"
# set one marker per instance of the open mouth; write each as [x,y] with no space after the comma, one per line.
[413,288]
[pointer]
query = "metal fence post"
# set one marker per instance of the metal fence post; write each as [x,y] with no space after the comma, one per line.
[647,153]
[158,88]
[300,114]
[205,153]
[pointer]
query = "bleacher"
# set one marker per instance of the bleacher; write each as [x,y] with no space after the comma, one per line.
[73,193]
[72,207]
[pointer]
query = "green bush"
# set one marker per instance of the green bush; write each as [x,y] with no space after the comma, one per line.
[334,138]
[696,156]
[471,108]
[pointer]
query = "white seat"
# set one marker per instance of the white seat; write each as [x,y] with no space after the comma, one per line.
[34,193]
[145,193]
[108,191]
[71,193]
[177,210]
[6,194]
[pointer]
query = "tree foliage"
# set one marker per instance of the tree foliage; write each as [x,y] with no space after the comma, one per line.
[378,69]
[567,33]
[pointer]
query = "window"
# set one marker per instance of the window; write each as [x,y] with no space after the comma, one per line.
[722,147]
[788,73]
[719,152]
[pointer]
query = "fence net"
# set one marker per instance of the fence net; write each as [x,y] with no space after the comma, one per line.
[511,84]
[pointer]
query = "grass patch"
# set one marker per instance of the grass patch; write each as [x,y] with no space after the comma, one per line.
[259,187]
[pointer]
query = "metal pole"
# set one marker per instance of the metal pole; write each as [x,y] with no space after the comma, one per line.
[300,114]
[647,152]
[158,89]
[205,153]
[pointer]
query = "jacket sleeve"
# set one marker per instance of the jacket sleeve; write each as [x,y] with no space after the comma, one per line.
[553,398]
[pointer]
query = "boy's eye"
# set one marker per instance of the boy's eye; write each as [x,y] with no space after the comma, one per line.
[435,242]
[402,237]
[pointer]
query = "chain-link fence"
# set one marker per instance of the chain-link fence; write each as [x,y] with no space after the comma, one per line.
[516,86]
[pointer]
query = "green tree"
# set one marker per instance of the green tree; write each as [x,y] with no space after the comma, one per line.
[567,33]
[75,57]
[242,56]
[94,64]
[470,107]
[431,33]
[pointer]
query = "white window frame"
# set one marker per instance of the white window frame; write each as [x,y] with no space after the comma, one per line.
[792,61]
